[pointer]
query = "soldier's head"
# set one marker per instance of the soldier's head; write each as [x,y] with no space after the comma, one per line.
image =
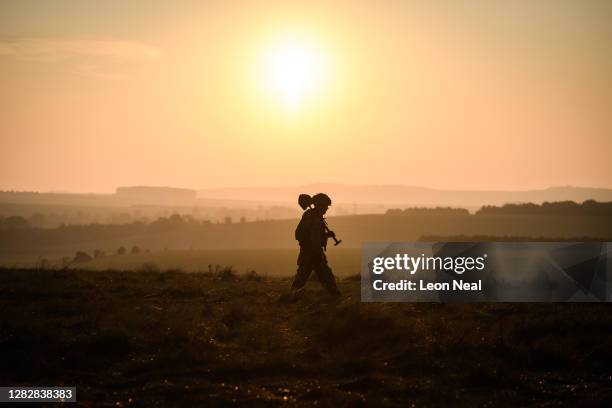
[321,202]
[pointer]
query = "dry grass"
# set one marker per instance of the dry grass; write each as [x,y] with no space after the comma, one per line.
[171,338]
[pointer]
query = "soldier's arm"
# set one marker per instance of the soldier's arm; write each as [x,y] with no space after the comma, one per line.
[316,229]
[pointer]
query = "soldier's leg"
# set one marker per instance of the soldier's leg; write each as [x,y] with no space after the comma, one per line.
[327,278]
[303,271]
[301,277]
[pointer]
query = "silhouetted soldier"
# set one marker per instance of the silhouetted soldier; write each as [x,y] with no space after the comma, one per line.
[312,234]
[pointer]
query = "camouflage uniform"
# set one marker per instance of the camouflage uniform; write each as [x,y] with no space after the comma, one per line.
[312,236]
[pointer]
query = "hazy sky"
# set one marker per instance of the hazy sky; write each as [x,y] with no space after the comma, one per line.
[457,94]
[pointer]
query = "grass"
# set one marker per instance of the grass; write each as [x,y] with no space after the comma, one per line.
[267,262]
[169,338]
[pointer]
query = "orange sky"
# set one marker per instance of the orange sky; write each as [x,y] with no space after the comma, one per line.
[461,94]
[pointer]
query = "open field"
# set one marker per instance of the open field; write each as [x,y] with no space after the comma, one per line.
[266,262]
[275,262]
[180,339]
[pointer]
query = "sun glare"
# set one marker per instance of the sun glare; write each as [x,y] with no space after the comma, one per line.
[293,70]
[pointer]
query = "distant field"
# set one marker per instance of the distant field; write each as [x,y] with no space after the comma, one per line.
[268,262]
[256,243]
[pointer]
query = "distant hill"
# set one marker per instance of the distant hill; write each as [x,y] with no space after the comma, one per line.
[156,195]
[124,196]
[353,198]
[408,195]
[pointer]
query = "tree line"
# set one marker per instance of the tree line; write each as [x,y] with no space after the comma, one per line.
[587,208]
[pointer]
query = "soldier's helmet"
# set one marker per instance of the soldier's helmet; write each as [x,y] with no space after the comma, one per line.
[321,200]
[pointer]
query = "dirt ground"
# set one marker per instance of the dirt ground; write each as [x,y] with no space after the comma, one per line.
[169,338]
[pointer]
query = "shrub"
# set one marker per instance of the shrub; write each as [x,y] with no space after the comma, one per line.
[149,267]
[82,256]
[227,274]
[253,276]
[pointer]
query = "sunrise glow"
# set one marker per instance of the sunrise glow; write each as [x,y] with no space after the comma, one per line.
[293,71]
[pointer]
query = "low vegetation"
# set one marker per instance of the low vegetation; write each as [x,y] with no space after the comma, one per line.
[156,337]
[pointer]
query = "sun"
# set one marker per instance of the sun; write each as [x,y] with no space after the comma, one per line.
[293,70]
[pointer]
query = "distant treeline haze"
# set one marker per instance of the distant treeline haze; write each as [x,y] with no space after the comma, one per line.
[588,207]
[19,241]
[167,222]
